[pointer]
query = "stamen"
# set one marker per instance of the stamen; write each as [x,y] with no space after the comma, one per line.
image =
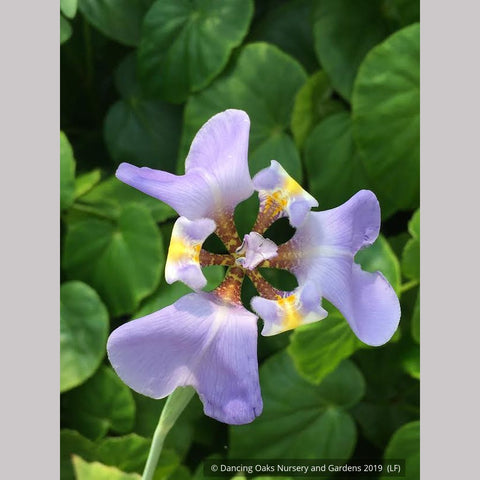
[280,195]
[286,259]
[271,209]
[263,287]
[227,232]
[231,287]
[208,258]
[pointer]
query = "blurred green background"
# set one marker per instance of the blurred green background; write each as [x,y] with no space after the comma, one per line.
[332,91]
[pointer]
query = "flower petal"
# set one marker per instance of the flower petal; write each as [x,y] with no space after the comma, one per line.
[198,341]
[281,195]
[325,246]
[216,171]
[183,260]
[302,306]
[256,249]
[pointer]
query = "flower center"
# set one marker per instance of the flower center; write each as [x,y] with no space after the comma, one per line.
[254,249]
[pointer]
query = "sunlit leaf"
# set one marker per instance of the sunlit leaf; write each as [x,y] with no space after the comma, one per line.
[405,443]
[68,7]
[98,471]
[67,172]
[65,30]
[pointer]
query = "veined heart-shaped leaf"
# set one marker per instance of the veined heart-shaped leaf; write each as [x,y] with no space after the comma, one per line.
[252,85]
[335,170]
[301,420]
[386,118]
[138,129]
[117,19]
[186,44]
[102,403]
[288,25]
[121,259]
[83,333]
[318,348]
[344,32]
[380,257]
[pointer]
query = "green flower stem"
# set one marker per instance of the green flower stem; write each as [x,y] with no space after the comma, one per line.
[175,405]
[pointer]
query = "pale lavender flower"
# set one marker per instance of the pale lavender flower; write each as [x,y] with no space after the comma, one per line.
[209,340]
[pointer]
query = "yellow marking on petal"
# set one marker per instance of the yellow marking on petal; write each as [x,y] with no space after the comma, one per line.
[292,318]
[196,255]
[292,187]
[180,250]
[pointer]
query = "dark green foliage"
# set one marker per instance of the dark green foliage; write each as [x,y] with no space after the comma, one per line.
[331,88]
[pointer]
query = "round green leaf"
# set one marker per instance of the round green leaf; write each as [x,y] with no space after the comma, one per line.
[122,260]
[109,197]
[318,348]
[120,20]
[289,27]
[143,133]
[102,403]
[386,117]
[344,31]
[65,29]
[98,471]
[72,442]
[313,103]
[186,44]
[300,420]
[381,257]
[253,85]
[83,333]
[68,7]
[335,171]
[411,251]
[67,173]
[278,145]
[128,453]
[86,181]
[411,259]
[414,225]
[405,443]
[139,130]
